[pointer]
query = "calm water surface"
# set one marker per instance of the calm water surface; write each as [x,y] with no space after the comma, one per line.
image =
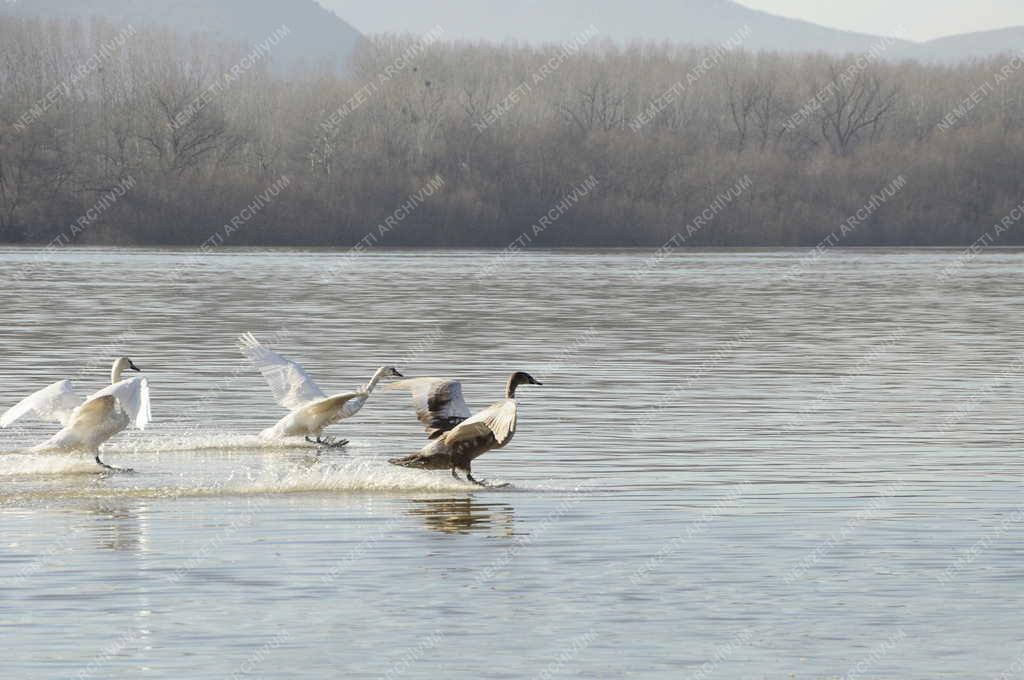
[735,469]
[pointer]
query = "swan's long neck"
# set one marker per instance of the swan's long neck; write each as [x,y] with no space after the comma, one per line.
[115,373]
[510,388]
[370,386]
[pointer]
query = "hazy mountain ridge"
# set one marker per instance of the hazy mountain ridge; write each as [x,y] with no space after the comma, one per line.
[965,46]
[316,35]
[699,22]
[319,32]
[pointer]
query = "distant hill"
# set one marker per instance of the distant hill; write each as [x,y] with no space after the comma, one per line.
[966,46]
[698,22]
[317,34]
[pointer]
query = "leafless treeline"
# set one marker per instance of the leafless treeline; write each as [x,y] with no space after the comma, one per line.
[201,127]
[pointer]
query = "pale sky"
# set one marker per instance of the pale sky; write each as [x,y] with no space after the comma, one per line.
[923,19]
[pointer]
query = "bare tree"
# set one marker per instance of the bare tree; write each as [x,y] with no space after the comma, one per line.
[859,102]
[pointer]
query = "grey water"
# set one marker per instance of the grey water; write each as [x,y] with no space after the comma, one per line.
[740,465]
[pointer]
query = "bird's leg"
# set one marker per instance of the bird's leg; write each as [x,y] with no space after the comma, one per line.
[484,483]
[455,475]
[111,467]
[469,476]
[328,442]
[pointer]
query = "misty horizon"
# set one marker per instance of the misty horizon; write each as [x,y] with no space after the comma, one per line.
[920,25]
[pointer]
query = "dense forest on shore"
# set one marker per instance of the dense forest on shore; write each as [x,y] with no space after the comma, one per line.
[125,136]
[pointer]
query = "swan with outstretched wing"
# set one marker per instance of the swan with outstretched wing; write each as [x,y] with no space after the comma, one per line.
[310,410]
[88,424]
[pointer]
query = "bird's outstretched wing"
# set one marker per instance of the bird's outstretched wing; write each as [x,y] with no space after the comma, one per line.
[438,402]
[333,404]
[290,384]
[93,423]
[55,403]
[94,412]
[133,395]
[498,420]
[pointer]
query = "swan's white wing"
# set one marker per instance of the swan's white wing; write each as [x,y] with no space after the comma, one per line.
[93,423]
[133,395]
[498,419]
[289,383]
[55,402]
[340,405]
[438,402]
[94,413]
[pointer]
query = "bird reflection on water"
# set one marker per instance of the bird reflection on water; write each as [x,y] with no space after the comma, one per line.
[117,526]
[464,515]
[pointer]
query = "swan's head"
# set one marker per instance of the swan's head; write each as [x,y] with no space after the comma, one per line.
[126,364]
[382,373]
[120,366]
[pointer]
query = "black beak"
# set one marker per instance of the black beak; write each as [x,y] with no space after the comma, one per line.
[537,382]
[135,368]
[398,375]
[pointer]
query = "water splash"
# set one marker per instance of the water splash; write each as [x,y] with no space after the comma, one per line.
[176,476]
[33,464]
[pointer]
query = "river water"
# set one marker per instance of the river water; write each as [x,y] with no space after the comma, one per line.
[740,465]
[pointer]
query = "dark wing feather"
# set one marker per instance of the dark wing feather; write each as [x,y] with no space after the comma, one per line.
[438,402]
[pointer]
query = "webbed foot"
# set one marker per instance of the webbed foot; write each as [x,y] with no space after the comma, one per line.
[487,485]
[111,468]
[328,442]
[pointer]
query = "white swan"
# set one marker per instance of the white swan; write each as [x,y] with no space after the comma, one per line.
[458,436]
[88,424]
[311,410]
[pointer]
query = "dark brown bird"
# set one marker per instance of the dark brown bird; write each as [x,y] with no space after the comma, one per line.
[457,436]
